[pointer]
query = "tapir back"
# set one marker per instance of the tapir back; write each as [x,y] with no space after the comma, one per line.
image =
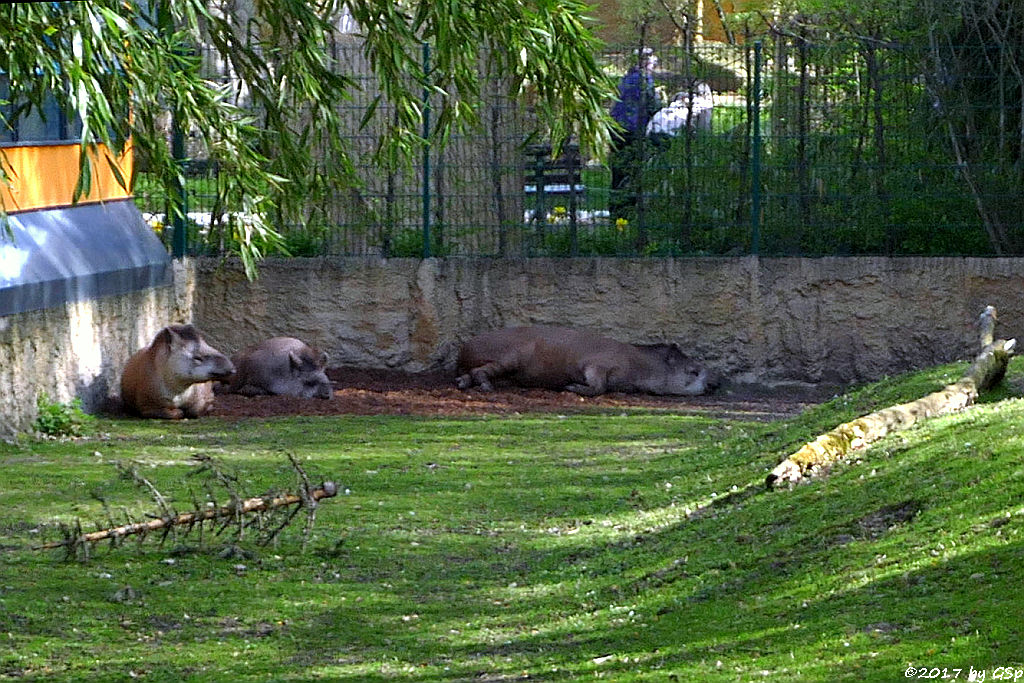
[578,360]
[281,366]
[540,355]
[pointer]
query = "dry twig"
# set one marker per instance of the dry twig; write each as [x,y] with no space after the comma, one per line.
[235,512]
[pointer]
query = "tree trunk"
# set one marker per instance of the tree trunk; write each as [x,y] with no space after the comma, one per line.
[986,371]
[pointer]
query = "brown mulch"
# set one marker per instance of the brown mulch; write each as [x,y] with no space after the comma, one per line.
[391,392]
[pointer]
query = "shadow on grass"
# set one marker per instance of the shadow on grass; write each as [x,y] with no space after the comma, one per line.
[837,577]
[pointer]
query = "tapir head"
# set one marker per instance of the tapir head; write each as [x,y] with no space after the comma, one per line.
[307,378]
[681,375]
[187,357]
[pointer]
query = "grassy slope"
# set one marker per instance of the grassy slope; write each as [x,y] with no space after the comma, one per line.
[633,547]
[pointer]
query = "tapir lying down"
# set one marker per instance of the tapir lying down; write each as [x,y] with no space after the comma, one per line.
[577,360]
[172,377]
[280,366]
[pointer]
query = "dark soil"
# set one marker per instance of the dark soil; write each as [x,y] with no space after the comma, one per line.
[391,392]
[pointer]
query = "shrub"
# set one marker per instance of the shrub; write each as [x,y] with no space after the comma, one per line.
[408,243]
[60,419]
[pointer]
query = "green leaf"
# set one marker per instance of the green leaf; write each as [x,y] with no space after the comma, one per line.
[118,173]
[101,56]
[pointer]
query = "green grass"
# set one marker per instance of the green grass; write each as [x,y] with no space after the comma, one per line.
[638,546]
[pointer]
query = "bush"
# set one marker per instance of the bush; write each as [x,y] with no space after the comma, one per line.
[60,419]
[305,242]
[408,243]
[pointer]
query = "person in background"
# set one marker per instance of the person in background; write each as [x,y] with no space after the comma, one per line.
[638,101]
[693,108]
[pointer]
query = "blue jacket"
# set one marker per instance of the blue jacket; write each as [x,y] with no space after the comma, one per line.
[628,110]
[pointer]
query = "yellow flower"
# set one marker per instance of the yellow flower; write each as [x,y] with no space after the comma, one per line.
[558,214]
[621,223]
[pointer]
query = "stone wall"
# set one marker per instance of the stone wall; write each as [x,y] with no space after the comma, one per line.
[764,321]
[78,349]
[830,321]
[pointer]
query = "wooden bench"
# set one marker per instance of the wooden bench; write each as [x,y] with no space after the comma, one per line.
[559,178]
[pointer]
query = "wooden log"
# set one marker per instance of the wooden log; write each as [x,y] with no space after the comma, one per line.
[327,490]
[987,370]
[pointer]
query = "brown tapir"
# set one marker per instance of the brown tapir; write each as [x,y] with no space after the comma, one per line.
[576,360]
[171,378]
[281,365]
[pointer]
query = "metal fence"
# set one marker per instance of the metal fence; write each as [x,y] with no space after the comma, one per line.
[808,150]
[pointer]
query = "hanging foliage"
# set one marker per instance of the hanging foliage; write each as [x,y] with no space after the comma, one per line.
[273,130]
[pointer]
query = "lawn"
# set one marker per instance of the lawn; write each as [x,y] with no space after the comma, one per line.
[625,546]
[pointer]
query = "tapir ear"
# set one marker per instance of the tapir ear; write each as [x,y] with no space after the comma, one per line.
[164,337]
[175,336]
[294,361]
[322,360]
[178,336]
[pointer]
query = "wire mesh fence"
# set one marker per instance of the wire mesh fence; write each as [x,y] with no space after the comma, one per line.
[780,148]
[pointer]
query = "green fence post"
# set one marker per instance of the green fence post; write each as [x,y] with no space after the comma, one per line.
[755,160]
[177,203]
[426,154]
[179,199]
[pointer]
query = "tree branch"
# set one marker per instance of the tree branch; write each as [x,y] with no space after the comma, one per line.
[225,512]
[986,371]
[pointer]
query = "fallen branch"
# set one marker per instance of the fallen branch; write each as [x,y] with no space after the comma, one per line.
[986,371]
[328,490]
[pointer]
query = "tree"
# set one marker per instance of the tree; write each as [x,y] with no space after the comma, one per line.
[975,76]
[968,56]
[120,65]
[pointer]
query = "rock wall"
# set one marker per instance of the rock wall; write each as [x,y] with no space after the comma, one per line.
[828,321]
[78,349]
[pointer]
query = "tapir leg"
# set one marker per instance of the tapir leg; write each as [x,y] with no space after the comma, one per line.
[481,375]
[162,413]
[596,378]
[250,390]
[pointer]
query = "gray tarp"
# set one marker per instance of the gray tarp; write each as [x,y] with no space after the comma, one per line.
[81,252]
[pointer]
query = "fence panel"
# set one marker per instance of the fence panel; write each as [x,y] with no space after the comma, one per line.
[798,149]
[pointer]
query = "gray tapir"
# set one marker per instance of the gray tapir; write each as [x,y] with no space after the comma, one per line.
[577,360]
[281,365]
[172,377]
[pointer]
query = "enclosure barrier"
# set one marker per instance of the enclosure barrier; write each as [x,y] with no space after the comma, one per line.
[838,149]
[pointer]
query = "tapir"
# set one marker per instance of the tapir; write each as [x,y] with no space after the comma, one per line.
[281,365]
[173,377]
[577,360]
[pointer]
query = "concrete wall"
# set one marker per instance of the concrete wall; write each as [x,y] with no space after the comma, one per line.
[78,349]
[765,321]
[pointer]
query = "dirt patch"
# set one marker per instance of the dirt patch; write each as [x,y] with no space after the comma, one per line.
[390,392]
